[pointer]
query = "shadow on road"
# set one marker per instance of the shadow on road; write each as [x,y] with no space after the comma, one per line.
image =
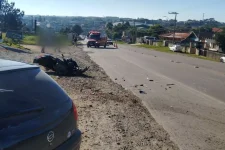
[15,50]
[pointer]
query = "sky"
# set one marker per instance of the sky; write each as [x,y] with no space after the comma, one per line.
[151,9]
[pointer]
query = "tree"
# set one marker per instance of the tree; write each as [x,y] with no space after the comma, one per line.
[65,30]
[10,18]
[109,26]
[126,25]
[156,30]
[77,29]
[220,39]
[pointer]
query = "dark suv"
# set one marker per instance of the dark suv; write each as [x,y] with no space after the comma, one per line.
[35,113]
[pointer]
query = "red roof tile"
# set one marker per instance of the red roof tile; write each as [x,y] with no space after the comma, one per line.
[217,30]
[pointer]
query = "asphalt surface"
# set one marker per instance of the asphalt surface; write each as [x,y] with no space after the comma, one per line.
[185,95]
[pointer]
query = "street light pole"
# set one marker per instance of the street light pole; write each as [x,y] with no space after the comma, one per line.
[166,18]
[175,23]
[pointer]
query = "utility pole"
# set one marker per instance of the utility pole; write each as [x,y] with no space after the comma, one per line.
[175,23]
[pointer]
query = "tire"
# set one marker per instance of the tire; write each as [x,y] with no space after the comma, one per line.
[105,46]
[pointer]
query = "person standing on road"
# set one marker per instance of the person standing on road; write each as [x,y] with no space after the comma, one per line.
[75,41]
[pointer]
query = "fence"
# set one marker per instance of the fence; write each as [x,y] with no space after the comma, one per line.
[210,54]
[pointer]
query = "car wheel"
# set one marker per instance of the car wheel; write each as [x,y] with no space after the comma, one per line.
[105,46]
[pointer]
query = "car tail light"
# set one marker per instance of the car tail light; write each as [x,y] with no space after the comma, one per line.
[75,112]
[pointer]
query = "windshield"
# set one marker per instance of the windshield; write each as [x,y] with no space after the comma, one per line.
[94,36]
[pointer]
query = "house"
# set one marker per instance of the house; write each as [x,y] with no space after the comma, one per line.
[183,38]
[208,40]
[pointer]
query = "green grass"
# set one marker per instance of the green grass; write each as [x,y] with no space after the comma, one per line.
[30,40]
[120,42]
[167,50]
[157,48]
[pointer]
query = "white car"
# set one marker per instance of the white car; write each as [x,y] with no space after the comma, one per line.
[222,59]
[176,48]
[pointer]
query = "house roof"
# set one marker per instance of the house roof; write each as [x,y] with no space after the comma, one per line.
[206,35]
[177,35]
[217,30]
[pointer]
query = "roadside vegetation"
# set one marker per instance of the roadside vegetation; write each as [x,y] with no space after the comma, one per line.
[167,50]
[30,40]
[157,48]
[12,43]
[120,42]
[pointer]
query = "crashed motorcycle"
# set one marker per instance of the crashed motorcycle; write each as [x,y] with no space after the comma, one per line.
[65,67]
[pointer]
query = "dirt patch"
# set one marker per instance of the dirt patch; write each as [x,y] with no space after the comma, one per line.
[109,116]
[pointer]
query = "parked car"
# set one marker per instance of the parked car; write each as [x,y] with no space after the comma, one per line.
[35,113]
[109,42]
[176,48]
[222,59]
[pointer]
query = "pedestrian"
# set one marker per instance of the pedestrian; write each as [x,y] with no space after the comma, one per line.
[43,49]
[75,41]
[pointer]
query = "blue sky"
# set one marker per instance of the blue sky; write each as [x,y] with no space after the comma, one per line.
[151,9]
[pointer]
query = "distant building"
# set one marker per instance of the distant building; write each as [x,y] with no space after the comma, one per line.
[180,37]
[137,24]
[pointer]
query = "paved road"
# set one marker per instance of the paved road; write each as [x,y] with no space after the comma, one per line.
[185,95]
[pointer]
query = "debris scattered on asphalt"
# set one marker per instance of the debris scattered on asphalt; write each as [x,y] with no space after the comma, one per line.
[170,84]
[151,80]
[141,84]
[155,56]
[136,86]
[115,78]
[169,87]
[196,66]
[90,106]
[134,101]
[178,62]
[111,93]
[142,92]
[165,88]
[171,60]
[136,125]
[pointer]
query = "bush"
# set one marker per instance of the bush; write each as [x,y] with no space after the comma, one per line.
[30,40]
[8,41]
